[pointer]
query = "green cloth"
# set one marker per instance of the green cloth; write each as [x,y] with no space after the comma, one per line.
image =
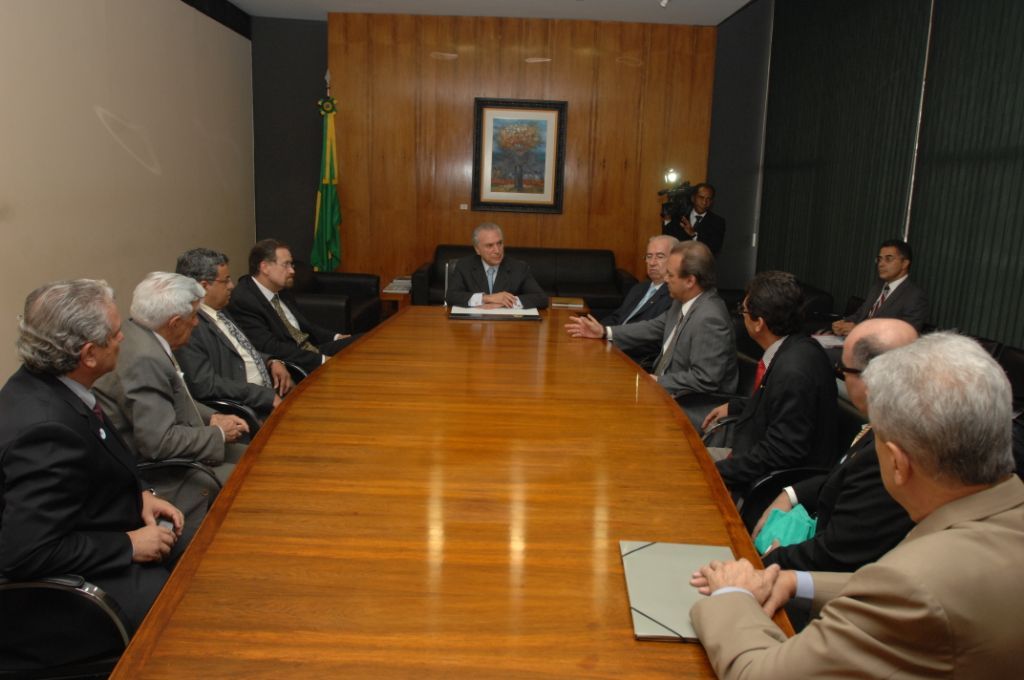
[795,526]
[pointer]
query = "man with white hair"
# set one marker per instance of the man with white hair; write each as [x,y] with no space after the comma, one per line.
[489,279]
[149,404]
[946,601]
[70,498]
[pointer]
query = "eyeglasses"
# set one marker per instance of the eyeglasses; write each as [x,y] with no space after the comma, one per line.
[842,369]
[888,258]
[226,280]
[287,265]
[655,256]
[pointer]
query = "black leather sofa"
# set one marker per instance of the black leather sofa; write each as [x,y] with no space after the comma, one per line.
[346,302]
[566,272]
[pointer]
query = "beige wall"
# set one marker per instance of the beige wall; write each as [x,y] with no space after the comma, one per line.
[125,138]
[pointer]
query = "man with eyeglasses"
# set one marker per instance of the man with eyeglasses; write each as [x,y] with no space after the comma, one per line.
[790,419]
[695,338]
[651,299]
[266,313]
[893,296]
[857,520]
[219,361]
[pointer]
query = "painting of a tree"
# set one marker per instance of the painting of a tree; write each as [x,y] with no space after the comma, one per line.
[518,154]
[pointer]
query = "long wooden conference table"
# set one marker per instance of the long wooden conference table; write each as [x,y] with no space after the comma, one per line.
[444,499]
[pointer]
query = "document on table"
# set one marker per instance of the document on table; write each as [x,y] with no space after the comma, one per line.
[829,341]
[658,585]
[499,313]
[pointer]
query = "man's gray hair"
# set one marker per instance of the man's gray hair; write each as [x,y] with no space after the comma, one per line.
[59,319]
[948,404]
[200,264]
[163,295]
[486,226]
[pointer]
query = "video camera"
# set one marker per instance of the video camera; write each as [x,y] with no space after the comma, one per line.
[677,200]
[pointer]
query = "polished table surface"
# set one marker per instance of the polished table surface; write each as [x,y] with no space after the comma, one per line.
[444,499]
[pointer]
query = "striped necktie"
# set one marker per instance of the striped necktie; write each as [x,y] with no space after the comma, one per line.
[243,341]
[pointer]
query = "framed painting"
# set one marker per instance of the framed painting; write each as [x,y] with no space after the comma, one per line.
[518,155]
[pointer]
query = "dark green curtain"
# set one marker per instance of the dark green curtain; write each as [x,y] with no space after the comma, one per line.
[843,100]
[967,219]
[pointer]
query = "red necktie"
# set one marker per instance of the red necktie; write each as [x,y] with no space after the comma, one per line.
[759,376]
[879,302]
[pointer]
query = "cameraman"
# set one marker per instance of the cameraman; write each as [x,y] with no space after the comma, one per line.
[697,223]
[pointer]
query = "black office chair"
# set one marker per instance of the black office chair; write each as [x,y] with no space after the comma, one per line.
[154,471]
[59,627]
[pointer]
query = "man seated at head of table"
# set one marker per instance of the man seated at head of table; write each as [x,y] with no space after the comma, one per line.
[147,400]
[262,307]
[857,520]
[70,497]
[490,280]
[219,361]
[790,420]
[694,336]
[946,602]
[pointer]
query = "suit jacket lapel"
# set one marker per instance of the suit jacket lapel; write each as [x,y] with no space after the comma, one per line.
[479,276]
[112,443]
[212,326]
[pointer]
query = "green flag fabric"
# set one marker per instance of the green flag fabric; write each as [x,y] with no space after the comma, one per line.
[326,255]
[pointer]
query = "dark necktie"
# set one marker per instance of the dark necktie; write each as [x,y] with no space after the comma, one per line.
[301,339]
[243,341]
[879,302]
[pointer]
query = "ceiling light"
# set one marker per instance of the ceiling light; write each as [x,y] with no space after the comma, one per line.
[664,3]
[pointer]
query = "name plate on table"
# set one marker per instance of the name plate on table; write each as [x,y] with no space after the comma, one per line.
[498,314]
[658,584]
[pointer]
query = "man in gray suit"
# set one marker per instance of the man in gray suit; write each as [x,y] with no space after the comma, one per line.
[943,603]
[894,295]
[219,361]
[695,336]
[147,401]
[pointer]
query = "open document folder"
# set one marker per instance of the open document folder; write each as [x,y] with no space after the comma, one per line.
[498,314]
[658,584]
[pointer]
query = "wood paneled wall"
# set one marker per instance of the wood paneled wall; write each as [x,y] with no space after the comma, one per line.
[639,102]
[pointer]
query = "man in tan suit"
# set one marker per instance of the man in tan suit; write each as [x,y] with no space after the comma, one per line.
[946,601]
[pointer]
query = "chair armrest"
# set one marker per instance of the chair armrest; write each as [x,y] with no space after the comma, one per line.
[296,371]
[180,463]
[719,424]
[236,408]
[763,491]
[348,283]
[421,284]
[78,591]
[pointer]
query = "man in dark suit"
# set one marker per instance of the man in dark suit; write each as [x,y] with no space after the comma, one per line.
[490,280]
[893,296]
[694,338]
[219,361]
[70,498]
[650,299]
[790,421]
[266,313]
[858,521]
[699,223]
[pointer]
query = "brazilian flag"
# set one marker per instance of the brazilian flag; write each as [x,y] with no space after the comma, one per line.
[326,256]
